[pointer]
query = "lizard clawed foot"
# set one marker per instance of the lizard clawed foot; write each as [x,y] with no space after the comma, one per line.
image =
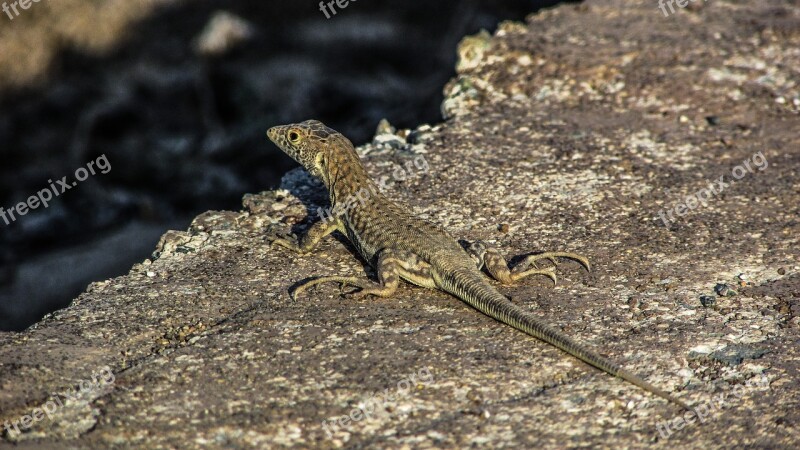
[344,281]
[549,272]
[370,288]
[490,257]
[390,262]
[285,240]
[551,256]
[358,293]
[362,287]
[521,270]
[305,243]
[291,244]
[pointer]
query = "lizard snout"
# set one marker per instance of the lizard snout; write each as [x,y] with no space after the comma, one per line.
[273,133]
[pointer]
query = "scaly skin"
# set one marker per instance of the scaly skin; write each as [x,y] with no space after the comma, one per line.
[401,246]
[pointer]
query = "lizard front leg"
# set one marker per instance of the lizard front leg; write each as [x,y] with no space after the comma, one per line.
[486,255]
[392,266]
[311,239]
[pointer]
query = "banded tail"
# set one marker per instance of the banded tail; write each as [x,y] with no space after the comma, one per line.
[483,297]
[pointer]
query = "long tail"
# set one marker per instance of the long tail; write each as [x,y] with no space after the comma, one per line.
[483,297]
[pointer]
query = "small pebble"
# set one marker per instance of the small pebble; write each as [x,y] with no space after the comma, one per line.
[707,301]
[723,290]
[503,228]
[384,127]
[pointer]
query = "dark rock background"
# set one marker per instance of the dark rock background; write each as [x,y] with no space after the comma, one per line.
[571,131]
[184,132]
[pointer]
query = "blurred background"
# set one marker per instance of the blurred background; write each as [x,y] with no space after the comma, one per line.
[177,95]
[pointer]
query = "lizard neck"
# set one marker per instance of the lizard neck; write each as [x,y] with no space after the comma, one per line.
[346,176]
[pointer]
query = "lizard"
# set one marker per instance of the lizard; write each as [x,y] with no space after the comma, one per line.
[401,246]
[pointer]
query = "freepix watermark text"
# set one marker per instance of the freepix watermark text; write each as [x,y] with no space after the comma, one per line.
[101,378]
[703,196]
[23,4]
[54,189]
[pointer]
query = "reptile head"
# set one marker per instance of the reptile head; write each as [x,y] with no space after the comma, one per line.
[306,142]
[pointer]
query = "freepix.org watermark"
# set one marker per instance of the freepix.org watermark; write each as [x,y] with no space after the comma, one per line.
[364,194]
[702,412]
[702,196]
[342,4]
[99,379]
[43,197]
[663,4]
[376,404]
[23,4]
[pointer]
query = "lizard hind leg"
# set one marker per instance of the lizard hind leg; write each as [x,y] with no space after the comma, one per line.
[497,266]
[392,265]
[344,281]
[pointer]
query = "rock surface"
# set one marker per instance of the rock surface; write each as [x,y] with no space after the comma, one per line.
[576,131]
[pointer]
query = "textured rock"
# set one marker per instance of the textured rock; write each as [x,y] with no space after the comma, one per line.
[572,132]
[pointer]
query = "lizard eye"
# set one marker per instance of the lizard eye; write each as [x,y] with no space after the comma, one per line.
[294,137]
